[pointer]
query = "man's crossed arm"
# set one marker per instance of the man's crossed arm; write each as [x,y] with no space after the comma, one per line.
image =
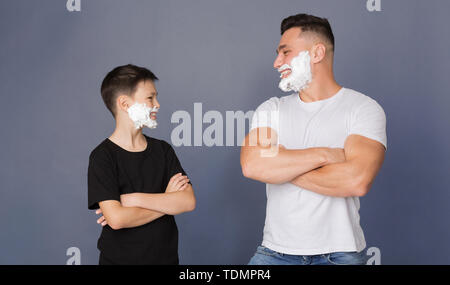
[137,209]
[327,171]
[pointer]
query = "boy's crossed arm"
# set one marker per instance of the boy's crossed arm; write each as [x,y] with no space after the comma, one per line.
[137,209]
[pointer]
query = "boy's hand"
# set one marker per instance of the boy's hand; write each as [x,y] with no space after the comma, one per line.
[178,182]
[102,219]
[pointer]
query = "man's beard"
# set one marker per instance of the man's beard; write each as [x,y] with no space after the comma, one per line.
[140,115]
[300,75]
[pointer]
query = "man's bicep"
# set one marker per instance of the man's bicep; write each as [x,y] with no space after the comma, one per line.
[262,136]
[366,155]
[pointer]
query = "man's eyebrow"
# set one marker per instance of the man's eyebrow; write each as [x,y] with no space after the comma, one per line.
[280,48]
[154,93]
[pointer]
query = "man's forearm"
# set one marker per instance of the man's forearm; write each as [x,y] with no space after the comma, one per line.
[282,167]
[338,180]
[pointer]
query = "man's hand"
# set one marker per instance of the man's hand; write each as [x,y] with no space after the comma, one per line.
[102,219]
[178,182]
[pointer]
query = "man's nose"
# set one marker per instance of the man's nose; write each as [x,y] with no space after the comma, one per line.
[278,62]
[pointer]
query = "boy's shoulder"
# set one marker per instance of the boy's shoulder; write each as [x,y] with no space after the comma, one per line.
[101,151]
[158,143]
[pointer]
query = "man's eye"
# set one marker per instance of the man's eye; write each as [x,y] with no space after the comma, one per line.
[285,52]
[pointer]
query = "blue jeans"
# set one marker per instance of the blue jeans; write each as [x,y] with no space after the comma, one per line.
[266,256]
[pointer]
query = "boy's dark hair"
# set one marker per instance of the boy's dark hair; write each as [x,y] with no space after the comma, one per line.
[123,80]
[309,23]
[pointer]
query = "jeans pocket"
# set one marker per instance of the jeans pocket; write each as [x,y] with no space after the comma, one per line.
[266,251]
[347,258]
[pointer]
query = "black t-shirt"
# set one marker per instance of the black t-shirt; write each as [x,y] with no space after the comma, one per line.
[114,171]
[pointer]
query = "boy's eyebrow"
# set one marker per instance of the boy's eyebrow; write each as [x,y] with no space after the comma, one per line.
[280,48]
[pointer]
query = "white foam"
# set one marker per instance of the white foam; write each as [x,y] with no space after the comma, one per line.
[140,115]
[300,75]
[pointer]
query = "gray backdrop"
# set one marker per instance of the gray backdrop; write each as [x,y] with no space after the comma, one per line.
[219,53]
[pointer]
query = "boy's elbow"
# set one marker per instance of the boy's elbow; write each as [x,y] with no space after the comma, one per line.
[191,204]
[115,222]
[115,225]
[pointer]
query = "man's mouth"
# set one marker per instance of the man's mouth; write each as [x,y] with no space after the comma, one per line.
[285,73]
[153,115]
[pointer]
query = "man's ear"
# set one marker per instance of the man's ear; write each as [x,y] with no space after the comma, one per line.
[318,53]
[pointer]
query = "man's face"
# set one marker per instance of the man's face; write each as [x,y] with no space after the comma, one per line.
[146,94]
[291,44]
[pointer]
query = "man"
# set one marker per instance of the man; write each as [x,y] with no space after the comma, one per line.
[318,150]
[136,181]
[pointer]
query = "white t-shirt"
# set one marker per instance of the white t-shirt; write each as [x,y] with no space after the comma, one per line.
[299,221]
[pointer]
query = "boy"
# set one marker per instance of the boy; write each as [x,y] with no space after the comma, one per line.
[136,181]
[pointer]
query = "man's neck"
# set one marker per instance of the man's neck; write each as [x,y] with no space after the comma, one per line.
[320,89]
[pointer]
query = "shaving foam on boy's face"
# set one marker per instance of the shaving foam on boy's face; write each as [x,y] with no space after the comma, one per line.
[300,73]
[140,115]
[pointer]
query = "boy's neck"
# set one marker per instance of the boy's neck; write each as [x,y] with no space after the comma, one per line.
[127,137]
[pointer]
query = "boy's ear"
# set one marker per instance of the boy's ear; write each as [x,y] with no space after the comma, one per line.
[123,103]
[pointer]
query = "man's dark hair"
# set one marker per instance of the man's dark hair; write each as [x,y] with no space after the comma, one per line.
[123,80]
[309,23]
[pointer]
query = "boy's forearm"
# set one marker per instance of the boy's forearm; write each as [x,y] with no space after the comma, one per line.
[130,217]
[172,203]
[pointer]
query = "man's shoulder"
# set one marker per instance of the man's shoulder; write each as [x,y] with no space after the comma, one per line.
[359,99]
[274,102]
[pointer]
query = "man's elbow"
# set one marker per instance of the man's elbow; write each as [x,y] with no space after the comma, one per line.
[247,170]
[361,189]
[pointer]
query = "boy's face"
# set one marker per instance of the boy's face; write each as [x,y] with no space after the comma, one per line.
[146,94]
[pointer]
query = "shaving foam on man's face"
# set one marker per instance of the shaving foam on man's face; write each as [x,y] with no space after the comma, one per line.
[140,115]
[300,73]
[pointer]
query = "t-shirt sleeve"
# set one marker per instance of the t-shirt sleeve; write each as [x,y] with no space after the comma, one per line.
[173,165]
[369,120]
[266,115]
[102,180]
